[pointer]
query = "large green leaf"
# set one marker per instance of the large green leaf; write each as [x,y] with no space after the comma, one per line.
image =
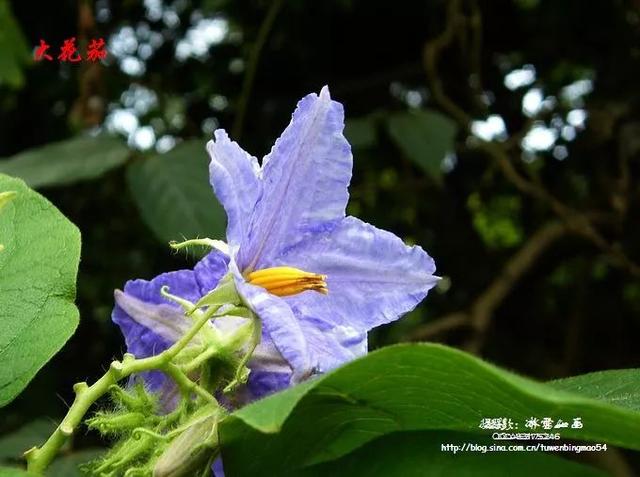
[425,137]
[38,269]
[173,194]
[404,388]
[419,454]
[66,162]
[619,386]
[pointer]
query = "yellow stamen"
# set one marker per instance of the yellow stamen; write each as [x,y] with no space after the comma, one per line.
[286,281]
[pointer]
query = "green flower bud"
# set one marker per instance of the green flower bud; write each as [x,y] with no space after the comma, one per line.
[135,399]
[116,423]
[193,450]
[125,454]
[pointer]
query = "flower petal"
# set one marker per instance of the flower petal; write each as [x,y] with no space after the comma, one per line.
[160,321]
[144,317]
[210,270]
[372,276]
[143,342]
[309,344]
[268,368]
[279,325]
[234,177]
[331,346]
[263,383]
[138,330]
[305,179]
[217,468]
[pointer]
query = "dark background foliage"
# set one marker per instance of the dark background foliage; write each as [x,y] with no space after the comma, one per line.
[534,230]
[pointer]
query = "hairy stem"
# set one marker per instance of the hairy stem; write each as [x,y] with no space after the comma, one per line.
[186,386]
[256,333]
[39,458]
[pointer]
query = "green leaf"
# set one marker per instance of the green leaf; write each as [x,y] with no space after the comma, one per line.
[404,388]
[620,386]
[361,132]
[425,137]
[15,472]
[38,269]
[66,162]
[416,454]
[173,194]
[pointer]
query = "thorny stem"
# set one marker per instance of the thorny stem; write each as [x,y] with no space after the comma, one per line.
[39,458]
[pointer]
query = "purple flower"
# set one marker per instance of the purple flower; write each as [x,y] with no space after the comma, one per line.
[317,280]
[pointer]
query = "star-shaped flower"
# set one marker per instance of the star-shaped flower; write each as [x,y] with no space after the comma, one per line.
[317,279]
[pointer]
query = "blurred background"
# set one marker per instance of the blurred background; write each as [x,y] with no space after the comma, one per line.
[502,136]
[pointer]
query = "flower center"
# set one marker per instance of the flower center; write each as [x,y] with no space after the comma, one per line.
[286,281]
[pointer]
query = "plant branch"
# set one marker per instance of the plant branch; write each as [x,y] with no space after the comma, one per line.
[186,386]
[578,221]
[478,316]
[39,458]
[430,56]
[438,326]
[575,220]
[484,306]
[252,67]
[474,21]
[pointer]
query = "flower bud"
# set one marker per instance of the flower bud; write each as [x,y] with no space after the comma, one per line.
[192,451]
[116,423]
[125,455]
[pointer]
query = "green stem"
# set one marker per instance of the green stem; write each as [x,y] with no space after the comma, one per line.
[187,387]
[199,360]
[256,335]
[39,458]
